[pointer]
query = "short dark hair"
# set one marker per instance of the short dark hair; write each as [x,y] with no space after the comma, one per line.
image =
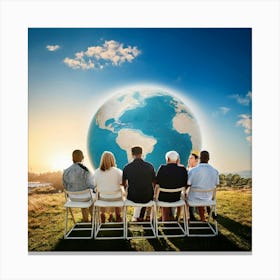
[136,151]
[77,156]
[204,156]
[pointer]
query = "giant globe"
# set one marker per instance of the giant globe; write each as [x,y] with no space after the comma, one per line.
[146,116]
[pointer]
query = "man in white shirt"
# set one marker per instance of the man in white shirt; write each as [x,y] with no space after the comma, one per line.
[77,178]
[203,177]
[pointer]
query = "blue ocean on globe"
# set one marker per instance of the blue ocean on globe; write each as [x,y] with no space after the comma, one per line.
[149,117]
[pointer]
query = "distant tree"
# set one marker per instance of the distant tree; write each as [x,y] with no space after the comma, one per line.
[244,181]
[55,178]
[235,179]
[222,179]
[249,182]
[228,179]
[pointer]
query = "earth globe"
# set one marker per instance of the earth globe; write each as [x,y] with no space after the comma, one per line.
[146,116]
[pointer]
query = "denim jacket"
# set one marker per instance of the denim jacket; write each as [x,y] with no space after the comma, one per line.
[77,178]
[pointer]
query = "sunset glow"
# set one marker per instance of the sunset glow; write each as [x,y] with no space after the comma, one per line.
[60,162]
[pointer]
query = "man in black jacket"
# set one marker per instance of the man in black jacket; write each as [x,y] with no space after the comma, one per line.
[139,178]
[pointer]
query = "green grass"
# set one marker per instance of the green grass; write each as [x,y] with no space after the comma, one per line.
[46,218]
[234,208]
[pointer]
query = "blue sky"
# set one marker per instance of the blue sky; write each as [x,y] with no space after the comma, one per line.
[71,70]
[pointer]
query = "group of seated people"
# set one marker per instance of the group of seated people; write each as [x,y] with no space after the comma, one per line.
[138,182]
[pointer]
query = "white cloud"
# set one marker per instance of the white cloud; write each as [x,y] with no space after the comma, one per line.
[246,122]
[53,48]
[224,110]
[111,52]
[243,100]
[79,55]
[78,63]
[249,138]
[221,111]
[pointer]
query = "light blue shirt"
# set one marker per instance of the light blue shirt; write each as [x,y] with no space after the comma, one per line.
[75,178]
[204,176]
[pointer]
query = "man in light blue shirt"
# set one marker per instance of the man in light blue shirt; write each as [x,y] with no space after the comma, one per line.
[202,177]
[77,178]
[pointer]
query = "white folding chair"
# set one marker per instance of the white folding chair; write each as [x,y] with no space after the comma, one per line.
[78,199]
[145,229]
[200,228]
[103,230]
[175,228]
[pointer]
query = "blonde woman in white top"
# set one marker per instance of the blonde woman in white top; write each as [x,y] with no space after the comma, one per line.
[107,180]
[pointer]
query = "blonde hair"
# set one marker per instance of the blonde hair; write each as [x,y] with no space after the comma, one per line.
[107,161]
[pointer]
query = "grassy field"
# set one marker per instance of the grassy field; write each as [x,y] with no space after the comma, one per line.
[46,217]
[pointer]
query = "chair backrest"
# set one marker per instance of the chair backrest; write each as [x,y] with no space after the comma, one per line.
[213,191]
[159,189]
[119,191]
[79,196]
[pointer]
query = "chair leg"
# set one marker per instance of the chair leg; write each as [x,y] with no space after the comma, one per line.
[66,222]
[156,220]
[126,221]
[96,223]
[92,222]
[215,221]
[123,220]
[185,219]
[72,216]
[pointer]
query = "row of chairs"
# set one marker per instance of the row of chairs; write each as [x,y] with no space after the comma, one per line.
[128,229]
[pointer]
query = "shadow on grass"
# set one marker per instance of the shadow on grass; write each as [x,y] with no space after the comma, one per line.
[219,243]
[243,231]
[93,245]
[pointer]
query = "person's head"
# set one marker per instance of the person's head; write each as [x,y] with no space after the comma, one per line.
[77,156]
[193,159]
[172,157]
[136,152]
[107,161]
[204,157]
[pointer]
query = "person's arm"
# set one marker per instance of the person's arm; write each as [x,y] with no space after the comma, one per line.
[156,192]
[90,180]
[189,183]
[123,192]
[64,181]
[184,192]
[186,180]
[158,177]
[154,182]
[217,183]
[124,179]
[218,179]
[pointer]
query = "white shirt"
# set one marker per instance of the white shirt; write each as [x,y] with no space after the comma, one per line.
[203,176]
[108,181]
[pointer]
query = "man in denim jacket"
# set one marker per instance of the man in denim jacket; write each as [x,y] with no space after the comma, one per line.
[77,178]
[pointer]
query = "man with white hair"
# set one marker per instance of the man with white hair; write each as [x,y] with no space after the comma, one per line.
[171,176]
